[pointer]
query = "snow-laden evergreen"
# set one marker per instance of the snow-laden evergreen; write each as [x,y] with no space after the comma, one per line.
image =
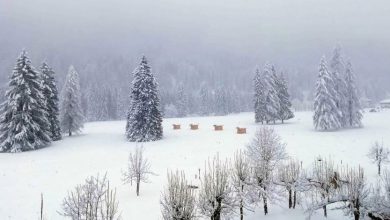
[336,72]
[50,93]
[144,117]
[353,112]
[71,116]
[259,98]
[284,112]
[271,94]
[326,113]
[181,103]
[23,124]
[204,100]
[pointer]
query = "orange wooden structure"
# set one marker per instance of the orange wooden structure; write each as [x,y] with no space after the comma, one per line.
[241,130]
[218,127]
[176,126]
[194,126]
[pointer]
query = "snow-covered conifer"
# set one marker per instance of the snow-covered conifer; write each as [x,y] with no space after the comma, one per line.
[144,117]
[50,92]
[259,98]
[23,124]
[181,102]
[71,116]
[204,100]
[353,112]
[284,112]
[336,74]
[326,112]
[271,94]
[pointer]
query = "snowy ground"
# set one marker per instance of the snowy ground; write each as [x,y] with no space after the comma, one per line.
[102,148]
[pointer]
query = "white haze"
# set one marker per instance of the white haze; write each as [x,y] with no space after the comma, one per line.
[217,37]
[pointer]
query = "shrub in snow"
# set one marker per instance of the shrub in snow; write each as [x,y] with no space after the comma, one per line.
[216,199]
[380,199]
[144,117]
[265,152]
[93,200]
[138,169]
[50,93]
[23,124]
[178,199]
[71,116]
[379,155]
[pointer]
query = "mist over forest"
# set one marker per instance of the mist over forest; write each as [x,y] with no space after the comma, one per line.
[193,44]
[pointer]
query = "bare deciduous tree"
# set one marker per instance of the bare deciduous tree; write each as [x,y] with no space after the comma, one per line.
[351,195]
[138,169]
[240,180]
[215,196]
[288,177]
[93,200]
[178,199]
[379,155]
[265,152]
[324,180]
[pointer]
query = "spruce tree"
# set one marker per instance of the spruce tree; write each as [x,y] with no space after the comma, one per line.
[181,103]
[144,117]
[284,112]
[271,94]
[259,98]
[23,124]
[204,100]
[336,72]
[326,113]
[353,113]
[50,93]
[71,116]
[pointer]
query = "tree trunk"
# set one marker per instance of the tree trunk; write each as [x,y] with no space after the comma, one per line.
[242,205]
[295,199]
[290,199]
[217,212]
[379,168]
[325,211]
[265,205]
[138,182]
[70,132]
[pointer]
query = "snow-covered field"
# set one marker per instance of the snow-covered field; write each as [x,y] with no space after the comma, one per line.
[102,148]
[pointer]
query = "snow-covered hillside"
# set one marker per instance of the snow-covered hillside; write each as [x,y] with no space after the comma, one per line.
[102,148]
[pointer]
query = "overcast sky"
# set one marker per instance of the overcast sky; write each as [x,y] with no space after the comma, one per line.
[292,33]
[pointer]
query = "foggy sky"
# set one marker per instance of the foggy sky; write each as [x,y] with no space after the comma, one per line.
[294,34]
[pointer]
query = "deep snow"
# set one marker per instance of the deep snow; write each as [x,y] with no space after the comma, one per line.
[102,148]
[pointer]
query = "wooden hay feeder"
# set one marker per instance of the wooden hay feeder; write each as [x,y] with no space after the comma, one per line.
[176,127]
[218,127]
[194,127]
[241,130]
